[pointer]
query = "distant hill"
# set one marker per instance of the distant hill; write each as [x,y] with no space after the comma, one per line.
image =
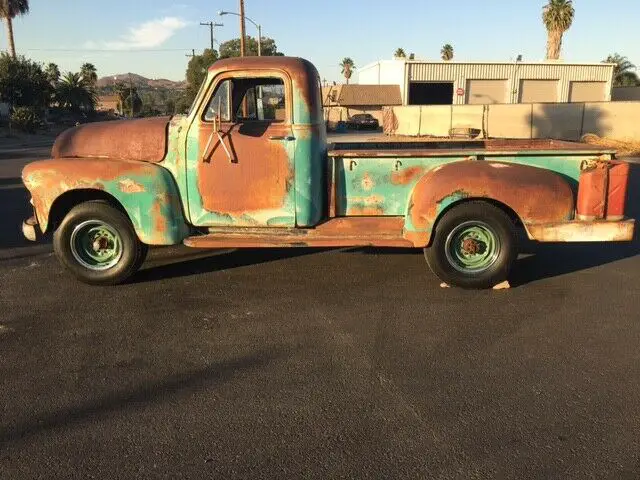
[140,81]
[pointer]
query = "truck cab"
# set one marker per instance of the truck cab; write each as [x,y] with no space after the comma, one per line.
[249,166]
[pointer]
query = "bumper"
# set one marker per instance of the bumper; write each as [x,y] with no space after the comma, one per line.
[31,229]
[596,231]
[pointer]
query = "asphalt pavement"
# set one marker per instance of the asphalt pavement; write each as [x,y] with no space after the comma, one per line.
[349,363]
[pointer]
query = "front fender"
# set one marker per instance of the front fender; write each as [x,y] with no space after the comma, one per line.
[147,192]
[536,195]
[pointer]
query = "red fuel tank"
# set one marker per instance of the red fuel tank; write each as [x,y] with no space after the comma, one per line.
[617,191]
[592,191]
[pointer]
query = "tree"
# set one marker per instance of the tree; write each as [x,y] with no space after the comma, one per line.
[130,101]
[624,74]
[557,17]
[195,75]
[231,48]
[52,71]
[400,53]
[89,74]
[412,56]
[75,93]
[348,67]
[10,9]
[23,83]
[446,53]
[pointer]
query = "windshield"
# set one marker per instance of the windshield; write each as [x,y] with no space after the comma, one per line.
[193,104]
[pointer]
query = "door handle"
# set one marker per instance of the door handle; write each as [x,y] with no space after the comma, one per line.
[283,138]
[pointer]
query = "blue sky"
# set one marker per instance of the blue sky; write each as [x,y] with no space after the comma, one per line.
[69,31]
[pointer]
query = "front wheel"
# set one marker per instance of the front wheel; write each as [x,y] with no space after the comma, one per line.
[474,246]
[98,244]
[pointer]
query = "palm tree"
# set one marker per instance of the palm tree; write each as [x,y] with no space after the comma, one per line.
[53,73]
[557,16]
[74,93]
[89,73]
[347,68]
[10,9]
[624,74]
[400,53]
[447,52]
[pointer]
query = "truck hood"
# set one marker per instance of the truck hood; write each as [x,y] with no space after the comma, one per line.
[142,139]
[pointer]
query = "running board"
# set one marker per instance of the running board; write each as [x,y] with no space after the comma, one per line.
[337,232]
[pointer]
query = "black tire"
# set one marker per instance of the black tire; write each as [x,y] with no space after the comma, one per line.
[132,252]
[496,260]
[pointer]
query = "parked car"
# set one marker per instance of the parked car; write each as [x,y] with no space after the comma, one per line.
[363,121]
[217,179]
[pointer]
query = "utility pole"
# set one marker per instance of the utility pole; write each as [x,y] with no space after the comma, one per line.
[211,26]
[192,54]
[131,94]
[242,30]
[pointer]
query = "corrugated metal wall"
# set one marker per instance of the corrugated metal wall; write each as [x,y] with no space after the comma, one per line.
[459,73]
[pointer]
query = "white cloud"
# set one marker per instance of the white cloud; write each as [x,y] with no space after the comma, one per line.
[149,34]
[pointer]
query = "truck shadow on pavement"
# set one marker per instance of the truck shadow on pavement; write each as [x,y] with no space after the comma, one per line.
[147,394]
[196,262]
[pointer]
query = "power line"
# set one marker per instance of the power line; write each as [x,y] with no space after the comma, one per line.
[114,50]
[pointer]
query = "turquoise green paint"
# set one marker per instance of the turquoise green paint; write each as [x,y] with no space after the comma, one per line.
[479,255]
[147,192]
[310,174]
[158,184]
[366,183]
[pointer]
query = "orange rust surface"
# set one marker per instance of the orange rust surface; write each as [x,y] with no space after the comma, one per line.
[390,147]
[141,139]
[48,179]
[417,239]
[536,195]
[159,221]
[365,211]
[129,186]
[597,231]
[406,176]
[339,232]
[258,177]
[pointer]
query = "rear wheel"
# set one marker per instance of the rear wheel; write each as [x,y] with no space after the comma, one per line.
[474,246]
[98,244]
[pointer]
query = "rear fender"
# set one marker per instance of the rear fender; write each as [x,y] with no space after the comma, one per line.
[146,192]
[535,195]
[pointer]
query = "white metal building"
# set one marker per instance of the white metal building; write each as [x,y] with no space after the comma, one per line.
[446,83]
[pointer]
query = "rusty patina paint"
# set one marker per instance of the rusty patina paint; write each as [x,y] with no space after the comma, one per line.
[141,139]
[406,176]
[258,177]
[147,192]
[534,194]
[268,181]
[598,231]
[338,232]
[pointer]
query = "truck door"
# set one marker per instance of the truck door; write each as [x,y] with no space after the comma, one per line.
[240,153]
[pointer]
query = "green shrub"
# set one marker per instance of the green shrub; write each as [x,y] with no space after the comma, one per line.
[26,119]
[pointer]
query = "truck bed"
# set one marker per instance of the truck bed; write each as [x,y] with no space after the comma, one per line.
[440,148]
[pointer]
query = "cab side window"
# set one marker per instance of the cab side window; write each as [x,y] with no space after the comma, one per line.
[244,100]
[259,99]
[219,103]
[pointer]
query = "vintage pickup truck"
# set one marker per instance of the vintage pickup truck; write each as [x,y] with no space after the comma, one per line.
[249,166]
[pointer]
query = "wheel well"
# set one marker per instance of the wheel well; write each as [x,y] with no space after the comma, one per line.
[505,208]
[65,202]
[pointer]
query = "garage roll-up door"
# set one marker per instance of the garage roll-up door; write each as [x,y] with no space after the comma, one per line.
[538,91]
[482,92]
[587,92]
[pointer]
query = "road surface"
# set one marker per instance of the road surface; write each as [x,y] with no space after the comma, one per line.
[317,364]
